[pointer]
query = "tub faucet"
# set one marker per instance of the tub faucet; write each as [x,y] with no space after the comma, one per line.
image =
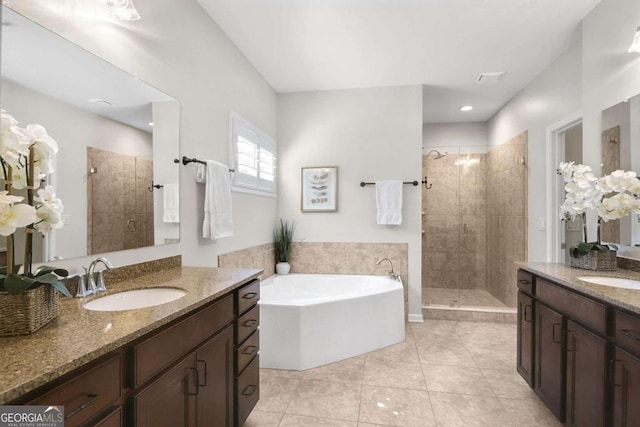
[390,273]
[100,286]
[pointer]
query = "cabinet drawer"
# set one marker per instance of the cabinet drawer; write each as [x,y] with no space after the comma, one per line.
[247,350]
[248,296]
[578,308]
[627,331]
[161,349]
[88,393]
[247,391]
[247,324]
[525,282]
[113,420]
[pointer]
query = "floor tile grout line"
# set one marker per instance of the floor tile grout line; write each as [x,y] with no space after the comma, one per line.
[426,384]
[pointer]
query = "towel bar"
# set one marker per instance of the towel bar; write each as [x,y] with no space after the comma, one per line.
[186,160]
[414,183]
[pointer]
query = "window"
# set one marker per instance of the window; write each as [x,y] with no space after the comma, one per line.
[253,157]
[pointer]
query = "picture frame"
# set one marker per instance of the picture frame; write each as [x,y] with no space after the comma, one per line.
[319,189]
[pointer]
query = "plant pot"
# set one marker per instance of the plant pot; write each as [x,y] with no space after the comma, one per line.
[283,268]
[596,260]
[26,312]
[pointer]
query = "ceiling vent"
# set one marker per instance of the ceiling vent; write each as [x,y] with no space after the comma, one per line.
[490,78]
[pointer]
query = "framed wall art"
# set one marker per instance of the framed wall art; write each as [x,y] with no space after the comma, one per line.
[319,189]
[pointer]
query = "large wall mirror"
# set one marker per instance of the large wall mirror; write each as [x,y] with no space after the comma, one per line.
[117,139]
[621,150]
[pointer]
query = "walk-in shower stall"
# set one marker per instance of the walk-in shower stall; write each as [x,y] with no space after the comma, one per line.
[473,226]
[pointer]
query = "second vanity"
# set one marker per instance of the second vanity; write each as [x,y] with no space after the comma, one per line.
[579,344]
[191,362]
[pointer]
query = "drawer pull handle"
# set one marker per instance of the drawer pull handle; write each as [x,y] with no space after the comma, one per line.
[92,398]
[553,333]
[250,323]
[250,350]
[524,282]
[249,390]
[630,334]
[612,372]
[188,382]
[527,318]
[204,362]
[250,295]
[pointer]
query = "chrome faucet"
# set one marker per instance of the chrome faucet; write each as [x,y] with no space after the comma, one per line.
[390,273]
[100,286]
[87,284]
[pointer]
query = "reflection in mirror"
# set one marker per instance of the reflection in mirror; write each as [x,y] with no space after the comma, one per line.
[621,126]
[117,138]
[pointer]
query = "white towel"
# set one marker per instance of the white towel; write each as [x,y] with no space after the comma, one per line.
[218,219]
[171,203]
[389,202]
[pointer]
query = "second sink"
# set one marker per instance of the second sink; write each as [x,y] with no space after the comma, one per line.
[615,282]
[139,298]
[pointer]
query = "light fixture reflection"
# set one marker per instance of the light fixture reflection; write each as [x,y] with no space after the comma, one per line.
[635,46]
[121,10]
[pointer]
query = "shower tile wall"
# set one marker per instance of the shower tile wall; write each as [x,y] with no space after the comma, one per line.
[506,216]
[120,208]
[454,221]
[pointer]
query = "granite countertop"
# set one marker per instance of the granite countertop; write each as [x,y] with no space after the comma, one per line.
[79,336]
[629,299]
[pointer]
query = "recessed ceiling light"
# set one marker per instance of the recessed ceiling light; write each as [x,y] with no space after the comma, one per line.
[151,124]
[466,108]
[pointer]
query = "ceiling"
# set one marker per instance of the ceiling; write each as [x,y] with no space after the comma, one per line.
[73,75]
[309,45]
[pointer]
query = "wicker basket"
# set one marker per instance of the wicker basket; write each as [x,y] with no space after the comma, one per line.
[26,312]
[596,260]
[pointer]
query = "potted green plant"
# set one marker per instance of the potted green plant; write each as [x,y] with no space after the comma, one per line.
[283,235]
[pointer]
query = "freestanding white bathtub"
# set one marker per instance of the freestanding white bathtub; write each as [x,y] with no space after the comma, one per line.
[309,320]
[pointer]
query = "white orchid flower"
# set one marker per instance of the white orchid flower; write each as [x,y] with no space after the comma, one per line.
[616,206]
[14,141]
[15,216]
[49,212]
[566,170]
[44,148]
[8,199]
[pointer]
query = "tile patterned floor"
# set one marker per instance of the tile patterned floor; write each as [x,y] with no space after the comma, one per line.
[446,373]
[465,297]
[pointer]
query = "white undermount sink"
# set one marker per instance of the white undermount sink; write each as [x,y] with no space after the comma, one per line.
[615,282]
[138,298]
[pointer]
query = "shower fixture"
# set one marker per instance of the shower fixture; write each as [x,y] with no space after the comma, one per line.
[439,155]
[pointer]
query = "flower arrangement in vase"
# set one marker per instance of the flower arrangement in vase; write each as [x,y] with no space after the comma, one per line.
[27,157]
[612,196]
[283,235]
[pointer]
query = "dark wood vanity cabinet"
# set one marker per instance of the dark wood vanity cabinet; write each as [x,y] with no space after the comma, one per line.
[578,369]
[549,361]
[247,367]
[625,370]
[525,330]
[199,370]
[586,386]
